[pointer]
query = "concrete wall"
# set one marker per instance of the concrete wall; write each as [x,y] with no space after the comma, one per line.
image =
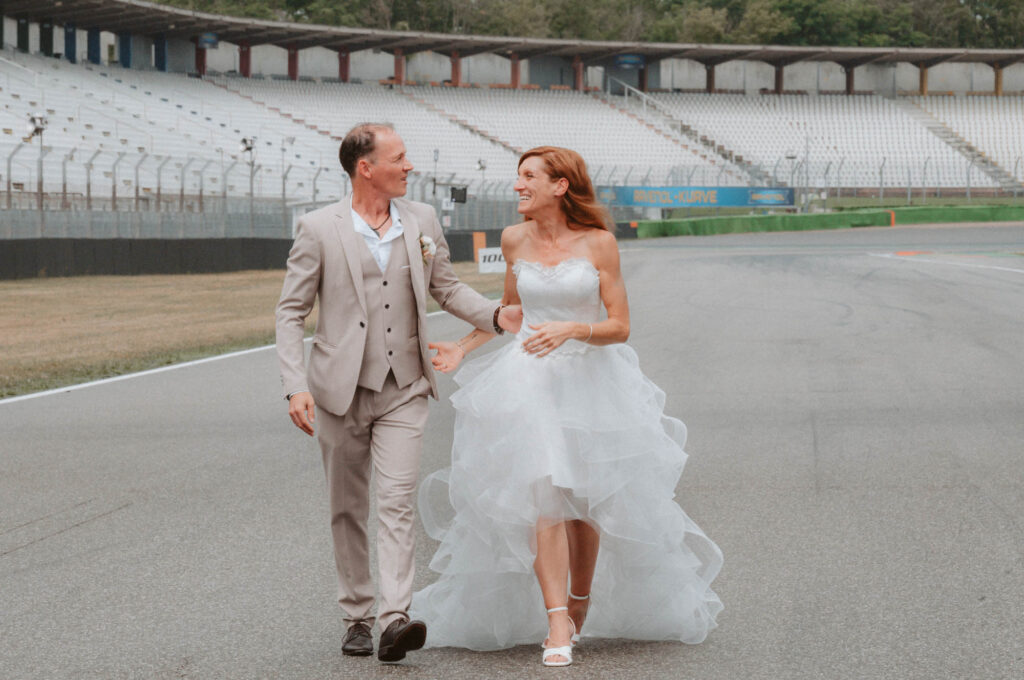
[815,77]
[483,69]
[181,56]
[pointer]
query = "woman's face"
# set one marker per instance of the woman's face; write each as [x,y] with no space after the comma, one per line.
[538,192]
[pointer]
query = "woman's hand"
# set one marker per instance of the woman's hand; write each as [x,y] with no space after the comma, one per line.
[551,334]
[448,356]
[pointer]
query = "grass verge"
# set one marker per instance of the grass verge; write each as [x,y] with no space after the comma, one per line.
[63,331]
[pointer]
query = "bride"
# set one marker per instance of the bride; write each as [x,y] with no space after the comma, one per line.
[564,465]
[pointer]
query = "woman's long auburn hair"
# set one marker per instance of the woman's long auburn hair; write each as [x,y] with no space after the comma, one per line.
[579,202]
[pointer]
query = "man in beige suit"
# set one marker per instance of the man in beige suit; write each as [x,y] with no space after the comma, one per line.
[371,258]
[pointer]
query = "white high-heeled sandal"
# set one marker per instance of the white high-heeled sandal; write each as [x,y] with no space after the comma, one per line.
[564,651]
[576,636]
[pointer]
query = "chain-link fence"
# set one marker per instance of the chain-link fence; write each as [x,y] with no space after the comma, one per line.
[100,195]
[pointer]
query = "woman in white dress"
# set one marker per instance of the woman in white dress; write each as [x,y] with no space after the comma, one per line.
[564,465]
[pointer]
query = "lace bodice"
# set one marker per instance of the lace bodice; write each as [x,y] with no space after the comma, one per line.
[567,291]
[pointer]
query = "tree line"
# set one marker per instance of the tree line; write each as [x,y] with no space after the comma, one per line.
[866,23]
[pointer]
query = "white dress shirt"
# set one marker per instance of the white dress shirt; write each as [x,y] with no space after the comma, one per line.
[380,248]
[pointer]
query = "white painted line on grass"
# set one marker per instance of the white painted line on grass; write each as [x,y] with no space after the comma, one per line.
[914,258]
[151,371]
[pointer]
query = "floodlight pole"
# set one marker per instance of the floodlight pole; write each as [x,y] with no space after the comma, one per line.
[10,160]
[39,190]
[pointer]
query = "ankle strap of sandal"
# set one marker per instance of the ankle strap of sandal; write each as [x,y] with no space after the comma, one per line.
[579,597]
[558,609]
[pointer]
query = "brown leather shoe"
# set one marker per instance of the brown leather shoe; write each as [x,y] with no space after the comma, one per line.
[401,636]
[358,641]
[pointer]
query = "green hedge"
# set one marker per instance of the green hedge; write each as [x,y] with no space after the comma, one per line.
[735,224]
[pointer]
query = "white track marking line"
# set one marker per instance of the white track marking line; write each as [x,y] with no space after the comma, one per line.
[890,256]
[151,371]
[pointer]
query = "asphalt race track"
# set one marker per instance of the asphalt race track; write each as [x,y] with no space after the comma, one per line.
[855,402]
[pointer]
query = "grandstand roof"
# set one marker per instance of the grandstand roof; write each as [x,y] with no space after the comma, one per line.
[145,18]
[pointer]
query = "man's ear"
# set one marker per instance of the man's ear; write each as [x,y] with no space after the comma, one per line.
[363,168]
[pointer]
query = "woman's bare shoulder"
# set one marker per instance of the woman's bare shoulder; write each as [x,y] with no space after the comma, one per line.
[603,247]
[514,234]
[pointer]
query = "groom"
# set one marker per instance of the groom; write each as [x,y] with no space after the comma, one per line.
[371,258]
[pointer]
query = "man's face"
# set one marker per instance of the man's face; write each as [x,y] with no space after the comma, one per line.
[388,165]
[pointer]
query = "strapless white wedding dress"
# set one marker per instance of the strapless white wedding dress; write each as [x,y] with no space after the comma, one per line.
[578,434]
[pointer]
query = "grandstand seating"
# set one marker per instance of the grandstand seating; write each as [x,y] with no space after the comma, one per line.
[615,146]
[778,131]
[337,107]
[157,122]
[991,124]
[115,111]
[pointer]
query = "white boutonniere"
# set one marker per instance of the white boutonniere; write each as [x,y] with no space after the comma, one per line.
[427,247]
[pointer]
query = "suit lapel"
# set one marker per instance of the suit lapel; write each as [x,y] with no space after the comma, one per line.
[411,236]
[350,246]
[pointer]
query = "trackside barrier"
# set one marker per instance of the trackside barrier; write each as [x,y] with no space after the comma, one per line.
[705,226]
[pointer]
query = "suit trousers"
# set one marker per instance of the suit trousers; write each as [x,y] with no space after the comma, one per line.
[383,430]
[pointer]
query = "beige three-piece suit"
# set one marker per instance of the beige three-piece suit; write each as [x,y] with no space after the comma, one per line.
[370,375]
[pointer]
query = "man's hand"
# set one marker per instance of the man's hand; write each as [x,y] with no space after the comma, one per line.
[302,411]
[448,356]
[510,318]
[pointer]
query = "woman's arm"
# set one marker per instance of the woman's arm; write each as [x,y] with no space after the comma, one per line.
[450,354]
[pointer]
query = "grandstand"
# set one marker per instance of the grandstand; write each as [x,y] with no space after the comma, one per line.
[157,144]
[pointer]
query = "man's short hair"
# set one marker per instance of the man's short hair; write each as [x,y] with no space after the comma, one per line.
[360,142]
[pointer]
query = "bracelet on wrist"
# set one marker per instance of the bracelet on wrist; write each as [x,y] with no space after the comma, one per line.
[494,321]
[591,333]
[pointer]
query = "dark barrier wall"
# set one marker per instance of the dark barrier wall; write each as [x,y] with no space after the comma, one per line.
[31,258]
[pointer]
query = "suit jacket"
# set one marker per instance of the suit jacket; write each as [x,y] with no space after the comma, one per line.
[324,261]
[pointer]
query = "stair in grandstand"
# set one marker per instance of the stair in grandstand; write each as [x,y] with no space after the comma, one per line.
[480,132]
[652,113]
[996,172]
[284,114]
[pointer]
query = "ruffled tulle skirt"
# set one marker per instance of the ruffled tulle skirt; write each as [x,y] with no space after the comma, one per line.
[580,434]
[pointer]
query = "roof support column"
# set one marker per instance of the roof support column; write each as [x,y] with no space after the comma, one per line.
[160,52]
[200,58]
[124,49]
[999,79]
[293,62]
[513,60]
[456,69]
[46,37]
[22,35]
[780,78]
[849,78]
[399,76]
[922,78]
[71,43]
[92,45]
[709,78]
[245,59]
[343,65]
[577,73]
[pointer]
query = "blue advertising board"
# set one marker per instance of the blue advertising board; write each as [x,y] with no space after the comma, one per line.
[207,41]
[697,197]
